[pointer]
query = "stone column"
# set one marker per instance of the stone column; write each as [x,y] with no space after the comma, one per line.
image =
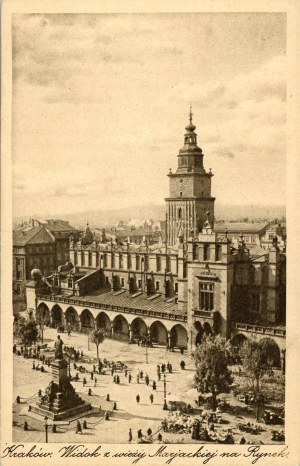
[169,340]
[130,333]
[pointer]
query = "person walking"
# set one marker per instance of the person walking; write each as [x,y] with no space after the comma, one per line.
[149,432]
[138,379]
[138,398]
[129,377]
[92,375]
[154,385]
[140,434]
[147,379]
[151,398]
[130,436]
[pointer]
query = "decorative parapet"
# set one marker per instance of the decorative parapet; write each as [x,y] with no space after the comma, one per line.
[251,328]
[203,313]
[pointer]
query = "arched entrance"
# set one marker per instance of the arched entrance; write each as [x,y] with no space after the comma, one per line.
[272,350]
[103,322]
[207,328]
[87,321]
[43,314]
[120,328]
[139,329]
[158,333]
[199,333]
[178,336]
[238,340]
[56,316]
[72,318]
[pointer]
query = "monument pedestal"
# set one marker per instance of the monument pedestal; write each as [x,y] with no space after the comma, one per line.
[60,400]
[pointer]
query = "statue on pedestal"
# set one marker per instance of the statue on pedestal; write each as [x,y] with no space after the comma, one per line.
[58,345]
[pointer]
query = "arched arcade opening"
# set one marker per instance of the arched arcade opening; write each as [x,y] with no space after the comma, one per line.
[87,321]
[178,337]
[56,316]
[72,319]
[120,328]
[139,329]
[158,333]
[103,322]
[43,314]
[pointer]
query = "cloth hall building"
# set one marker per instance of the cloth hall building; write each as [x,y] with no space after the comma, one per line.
[172,292]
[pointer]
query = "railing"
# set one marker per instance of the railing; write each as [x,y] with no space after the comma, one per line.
[274,331]
[110,307]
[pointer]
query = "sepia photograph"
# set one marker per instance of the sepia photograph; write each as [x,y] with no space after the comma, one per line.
[149,228]
[148,195]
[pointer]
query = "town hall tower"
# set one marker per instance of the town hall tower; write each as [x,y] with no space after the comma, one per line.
[190,201]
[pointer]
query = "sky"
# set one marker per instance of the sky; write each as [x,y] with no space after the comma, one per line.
[100,103]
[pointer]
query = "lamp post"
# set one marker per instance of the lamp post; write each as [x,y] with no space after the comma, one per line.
[46,428]
[146,344]
[165,407]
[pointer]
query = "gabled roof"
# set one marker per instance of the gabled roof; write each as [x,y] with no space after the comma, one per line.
[36,235]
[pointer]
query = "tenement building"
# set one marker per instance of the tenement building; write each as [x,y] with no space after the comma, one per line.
[171,293]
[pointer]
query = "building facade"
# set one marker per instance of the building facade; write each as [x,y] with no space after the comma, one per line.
[196,282]
[42,244]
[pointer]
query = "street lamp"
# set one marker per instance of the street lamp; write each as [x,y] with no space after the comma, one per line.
[146,344]
[165,407]
[46,428]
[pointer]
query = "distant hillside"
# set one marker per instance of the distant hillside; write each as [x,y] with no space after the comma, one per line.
[98,218]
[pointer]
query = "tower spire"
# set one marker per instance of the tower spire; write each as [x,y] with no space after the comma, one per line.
[191,114]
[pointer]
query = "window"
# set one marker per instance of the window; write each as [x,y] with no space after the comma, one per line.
[112,261]
[206,252]
[90,258]
[97,259]
[180,212]
[137,262]
[157,284]
[206,299]
[140,284]
[146,263]
[104,260]
[120,261]
[255,302]
[158,263]
[168,264]
[180,194]
[218,252]
[129,260]
[69,283]
[195,252]
[82,258]
[176,287]
[122,282]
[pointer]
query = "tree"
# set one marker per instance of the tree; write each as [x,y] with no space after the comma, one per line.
[42,317]
[26,331]
[97,337]
[258,358]
[212,373]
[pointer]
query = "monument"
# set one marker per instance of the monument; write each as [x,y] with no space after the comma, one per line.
[60,400]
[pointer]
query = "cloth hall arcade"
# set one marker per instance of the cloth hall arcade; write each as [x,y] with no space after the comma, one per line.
[172,292]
